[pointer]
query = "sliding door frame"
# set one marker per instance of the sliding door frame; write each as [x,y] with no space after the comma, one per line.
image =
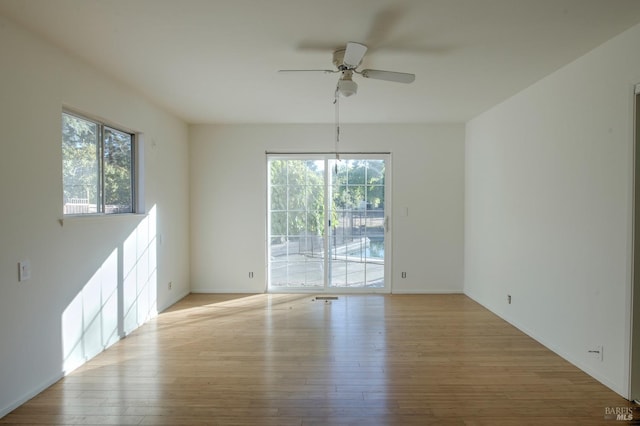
[327,157]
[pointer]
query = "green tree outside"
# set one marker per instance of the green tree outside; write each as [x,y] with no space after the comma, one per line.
[80,166]
[297,198]
[297,193]
[358,181]
[88,148]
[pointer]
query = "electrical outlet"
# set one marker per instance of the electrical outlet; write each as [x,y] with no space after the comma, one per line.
[404,275]
[250,274]
[508,298]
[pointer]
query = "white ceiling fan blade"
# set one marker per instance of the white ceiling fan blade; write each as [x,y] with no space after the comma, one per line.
[325,71]
[353,54]
[398,77]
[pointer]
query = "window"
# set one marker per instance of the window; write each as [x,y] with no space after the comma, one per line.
[98,167]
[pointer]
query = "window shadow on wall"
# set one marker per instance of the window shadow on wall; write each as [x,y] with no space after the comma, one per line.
[119,297]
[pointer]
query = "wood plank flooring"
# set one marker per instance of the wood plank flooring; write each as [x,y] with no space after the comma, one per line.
[293,360]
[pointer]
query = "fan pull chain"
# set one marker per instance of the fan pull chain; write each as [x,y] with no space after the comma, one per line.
[336,102]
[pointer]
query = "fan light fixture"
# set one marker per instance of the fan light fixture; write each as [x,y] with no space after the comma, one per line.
[346,86]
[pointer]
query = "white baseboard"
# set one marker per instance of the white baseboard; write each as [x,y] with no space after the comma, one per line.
[236,290]
[47,383]
[566,356]
[178,298]
[429,291]
[223,290]
[24,398]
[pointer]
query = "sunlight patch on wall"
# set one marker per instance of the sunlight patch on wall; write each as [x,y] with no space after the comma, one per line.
[119,297]
[90,322]
[140,274]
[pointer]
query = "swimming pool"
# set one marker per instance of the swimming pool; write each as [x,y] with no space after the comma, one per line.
[374,250]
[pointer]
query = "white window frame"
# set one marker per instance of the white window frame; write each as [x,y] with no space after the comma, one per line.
[137,190]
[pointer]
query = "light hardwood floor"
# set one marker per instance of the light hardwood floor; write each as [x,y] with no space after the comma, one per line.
[292,360]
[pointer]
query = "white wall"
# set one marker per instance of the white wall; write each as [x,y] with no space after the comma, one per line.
[548,208]
[64,314]
[228,213]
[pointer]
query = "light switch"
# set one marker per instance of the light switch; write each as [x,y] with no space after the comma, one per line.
[24,270]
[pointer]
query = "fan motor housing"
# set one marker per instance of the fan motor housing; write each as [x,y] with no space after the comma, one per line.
[338,60]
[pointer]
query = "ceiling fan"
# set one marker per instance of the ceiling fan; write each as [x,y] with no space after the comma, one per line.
[348,60]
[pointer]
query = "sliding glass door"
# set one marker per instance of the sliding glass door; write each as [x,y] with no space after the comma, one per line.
[297,193]
[357,233]
[328,229]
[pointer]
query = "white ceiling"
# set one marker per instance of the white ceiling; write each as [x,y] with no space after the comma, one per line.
[212,61]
